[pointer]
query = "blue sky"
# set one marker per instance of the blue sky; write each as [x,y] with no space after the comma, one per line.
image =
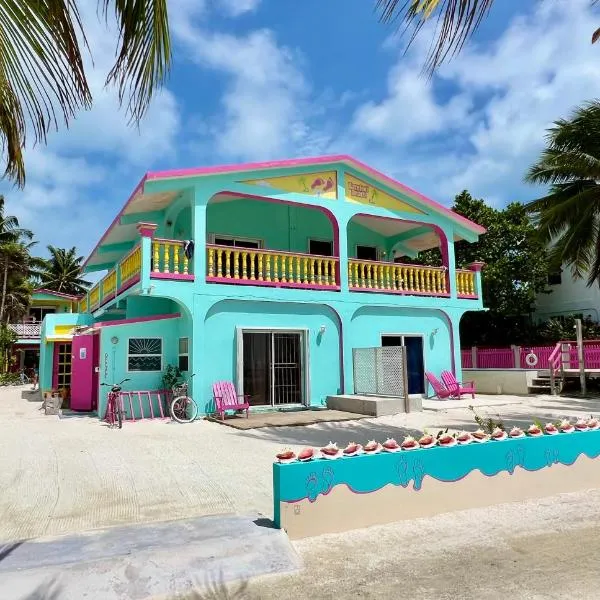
[268,79]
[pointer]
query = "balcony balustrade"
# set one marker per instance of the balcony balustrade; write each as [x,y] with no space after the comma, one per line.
[26,330]
[270,268]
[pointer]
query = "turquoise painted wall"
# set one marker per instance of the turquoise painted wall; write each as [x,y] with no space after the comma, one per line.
[363,236]
[113,357]
[219,340]
[280,226]
[50,301]
[47,348]
[142,306]
[368,324]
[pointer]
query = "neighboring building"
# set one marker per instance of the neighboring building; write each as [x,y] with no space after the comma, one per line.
[268,275]
[26,350]
[568,297]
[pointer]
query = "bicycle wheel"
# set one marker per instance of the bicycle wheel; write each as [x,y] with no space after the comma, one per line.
[183,409]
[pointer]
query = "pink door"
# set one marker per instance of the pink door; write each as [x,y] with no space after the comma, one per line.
[82,373]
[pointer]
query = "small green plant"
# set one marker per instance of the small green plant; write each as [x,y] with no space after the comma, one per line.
[10,379]
[488,424]
[171,376]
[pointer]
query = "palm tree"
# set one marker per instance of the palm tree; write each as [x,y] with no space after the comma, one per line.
[61,273]
[569,216]
[15,247]
[457,20]
[42,77]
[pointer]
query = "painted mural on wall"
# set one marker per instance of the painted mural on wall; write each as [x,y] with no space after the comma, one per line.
[322,184]
[361,192]
[307,476]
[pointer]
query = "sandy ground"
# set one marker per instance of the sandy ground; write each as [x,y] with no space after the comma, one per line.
[544,549]
[67,475]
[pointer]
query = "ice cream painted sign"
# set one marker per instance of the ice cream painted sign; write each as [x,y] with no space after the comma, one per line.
[322,184]
[361,192]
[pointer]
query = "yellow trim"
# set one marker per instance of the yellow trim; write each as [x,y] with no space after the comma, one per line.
[361,192]
[322,184]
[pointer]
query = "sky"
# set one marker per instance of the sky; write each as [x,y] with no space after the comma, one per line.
[274,79]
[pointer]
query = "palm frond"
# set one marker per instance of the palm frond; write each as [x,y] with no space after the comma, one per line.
[456,20]
[144,57]
[41,70]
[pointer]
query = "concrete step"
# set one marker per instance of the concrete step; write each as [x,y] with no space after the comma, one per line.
[539,389]
[142,561]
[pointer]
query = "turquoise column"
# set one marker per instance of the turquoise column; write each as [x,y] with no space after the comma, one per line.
[454,316]
[451,262]
[201,383]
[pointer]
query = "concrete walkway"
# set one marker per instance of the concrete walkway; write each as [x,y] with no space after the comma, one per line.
[143,561]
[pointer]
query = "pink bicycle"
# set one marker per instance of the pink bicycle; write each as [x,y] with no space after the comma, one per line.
[114,408]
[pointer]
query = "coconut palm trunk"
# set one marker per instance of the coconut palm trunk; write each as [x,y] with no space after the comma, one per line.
[4,286]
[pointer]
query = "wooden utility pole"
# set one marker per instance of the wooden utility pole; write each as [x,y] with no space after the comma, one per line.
[580,354]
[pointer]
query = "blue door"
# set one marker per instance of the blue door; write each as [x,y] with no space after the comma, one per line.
[415,364]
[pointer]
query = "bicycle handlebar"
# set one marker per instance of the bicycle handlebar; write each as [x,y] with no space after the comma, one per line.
[116,385]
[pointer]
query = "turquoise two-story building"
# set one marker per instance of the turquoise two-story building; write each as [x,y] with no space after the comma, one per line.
[267,275]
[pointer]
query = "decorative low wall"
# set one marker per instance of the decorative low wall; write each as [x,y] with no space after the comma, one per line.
[500,381]
[328,496]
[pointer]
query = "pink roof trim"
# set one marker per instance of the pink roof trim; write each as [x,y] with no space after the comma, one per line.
[138,187]
[53,293]
[290,163]
[306,162]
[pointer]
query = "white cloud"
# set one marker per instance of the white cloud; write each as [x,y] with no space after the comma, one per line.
[235,8]
[483,134]
[265,105]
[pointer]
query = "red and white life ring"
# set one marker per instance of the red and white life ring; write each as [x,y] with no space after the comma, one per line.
[531,359]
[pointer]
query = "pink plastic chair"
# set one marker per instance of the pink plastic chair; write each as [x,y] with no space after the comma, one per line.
[227,398]
[457,388]
[441,391]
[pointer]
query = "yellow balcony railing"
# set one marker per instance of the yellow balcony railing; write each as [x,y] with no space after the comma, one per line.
[465,284]
[169,260]
[366,275]
[109,285]
[270,268]
[95,296]
[83,305]
[131,267]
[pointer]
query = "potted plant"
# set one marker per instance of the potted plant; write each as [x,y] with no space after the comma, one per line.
[171,377]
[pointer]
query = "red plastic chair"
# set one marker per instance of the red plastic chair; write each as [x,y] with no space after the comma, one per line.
[227,398]
[441,391]
[457,388]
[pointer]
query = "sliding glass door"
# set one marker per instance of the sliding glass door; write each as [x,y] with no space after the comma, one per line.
[272,367]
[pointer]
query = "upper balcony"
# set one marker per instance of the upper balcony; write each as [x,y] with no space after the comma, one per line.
[327,225]
[274,245]
[167,260]
[26,331]
[274,268]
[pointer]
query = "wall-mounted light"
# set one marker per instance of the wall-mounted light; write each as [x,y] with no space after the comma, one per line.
[435,331]
[322,329]
[114,340]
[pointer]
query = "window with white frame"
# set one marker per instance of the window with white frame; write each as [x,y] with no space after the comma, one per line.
[144,354]
[184,354]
